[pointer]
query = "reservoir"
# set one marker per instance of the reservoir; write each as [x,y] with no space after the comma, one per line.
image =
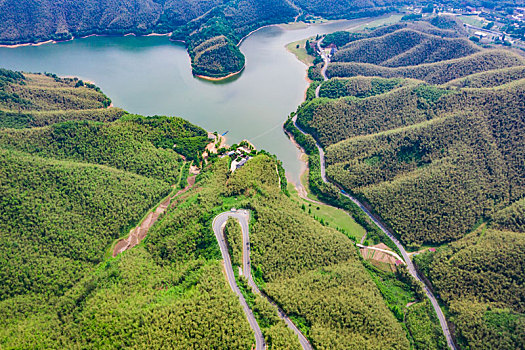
[152,76]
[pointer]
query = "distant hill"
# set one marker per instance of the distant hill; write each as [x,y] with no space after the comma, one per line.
[195,22]
[404,47]
[449,27]
[490,78]
[432,50]
[434,73]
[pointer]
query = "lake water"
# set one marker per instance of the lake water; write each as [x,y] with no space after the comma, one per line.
[151,75]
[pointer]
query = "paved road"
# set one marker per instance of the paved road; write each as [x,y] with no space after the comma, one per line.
[218,228]
[404,254]
[323,70]
[243,217]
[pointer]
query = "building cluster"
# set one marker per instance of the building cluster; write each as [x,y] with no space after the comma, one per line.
[504,25]
[239,157]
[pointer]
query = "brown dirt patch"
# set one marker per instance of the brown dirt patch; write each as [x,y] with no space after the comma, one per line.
[377,257]
[137,234]
[194,170]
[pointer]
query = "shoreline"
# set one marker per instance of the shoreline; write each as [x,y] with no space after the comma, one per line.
[51,41]
[14,46]
[308,65]
[253,31]
[283,26]
[303,158]
[204,77]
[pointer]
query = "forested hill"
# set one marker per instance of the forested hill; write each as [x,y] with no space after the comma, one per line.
[384,134]
[211,29]
[436,149]
[28,100]
[68,191]
[170,290]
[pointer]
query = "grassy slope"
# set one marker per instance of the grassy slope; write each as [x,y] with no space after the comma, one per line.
[332,216]
[300,52]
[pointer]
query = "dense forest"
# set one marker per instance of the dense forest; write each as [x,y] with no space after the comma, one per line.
[421,125]
[481,279]
[491,78]
[437,151]
[417,145]
[432,50]
[307,268]
[69,191]
[215,56]
[59,216]
[72,188]
[434,73]
[170,291]
[359,87]
[442,26]
[127,144]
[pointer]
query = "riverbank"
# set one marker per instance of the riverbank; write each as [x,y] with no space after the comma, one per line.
[14,46]
[215,79]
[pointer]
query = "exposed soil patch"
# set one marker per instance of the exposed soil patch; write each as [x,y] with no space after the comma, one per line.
[137,234]
[194,170]
[383,259]
[212,146]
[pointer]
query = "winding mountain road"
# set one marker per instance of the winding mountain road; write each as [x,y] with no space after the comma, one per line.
[218,227]
[243,216]
[404,254]
[325,66]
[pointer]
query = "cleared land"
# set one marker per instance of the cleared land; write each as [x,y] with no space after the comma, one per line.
[300,52]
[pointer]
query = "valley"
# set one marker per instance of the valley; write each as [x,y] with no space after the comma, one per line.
[123,230]
[391,106]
